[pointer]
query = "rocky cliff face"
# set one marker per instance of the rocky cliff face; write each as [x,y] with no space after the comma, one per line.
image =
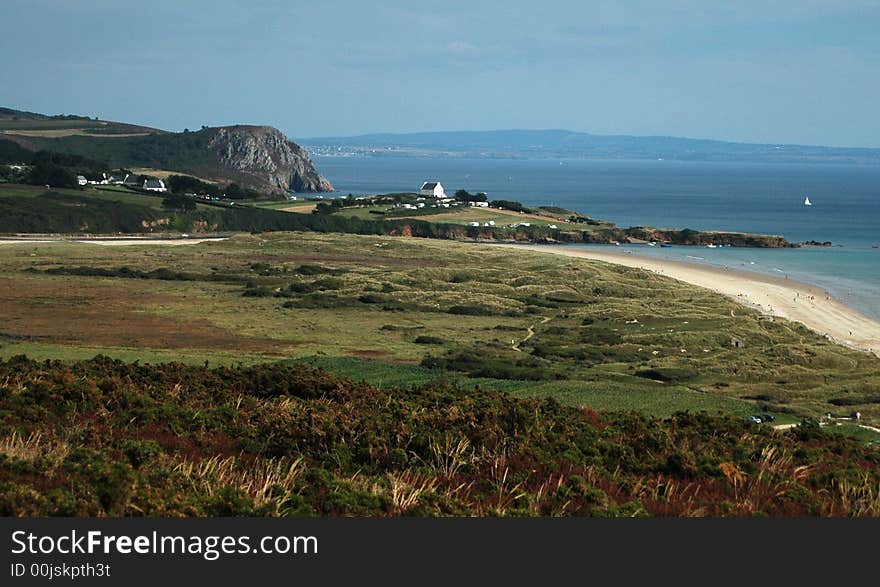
[262,158]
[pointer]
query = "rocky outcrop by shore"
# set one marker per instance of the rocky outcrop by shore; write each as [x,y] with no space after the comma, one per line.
[266,160]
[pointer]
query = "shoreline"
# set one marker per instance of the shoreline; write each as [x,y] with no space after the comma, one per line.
[779,297]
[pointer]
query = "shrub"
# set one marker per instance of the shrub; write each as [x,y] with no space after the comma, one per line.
[372,299]
[309,269]
[667,374]
[470,310]
[140,452]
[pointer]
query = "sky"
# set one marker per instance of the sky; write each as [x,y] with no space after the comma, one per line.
[776,71]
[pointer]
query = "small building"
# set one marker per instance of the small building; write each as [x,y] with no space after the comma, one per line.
[81,180]
[154,185]
[433,189]
[117,178]
[133,181]
[736,343]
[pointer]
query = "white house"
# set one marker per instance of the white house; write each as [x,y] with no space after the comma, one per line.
[154,185]
[81,180]
[433,189]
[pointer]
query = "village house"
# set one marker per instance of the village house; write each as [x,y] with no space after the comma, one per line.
[81,180]
[105,179]
[154,185]
[433,189]
[133,181]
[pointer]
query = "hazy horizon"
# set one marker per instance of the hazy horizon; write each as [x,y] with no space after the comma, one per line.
[787,72]
[568,130]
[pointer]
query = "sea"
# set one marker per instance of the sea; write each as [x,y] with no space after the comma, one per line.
[743,197]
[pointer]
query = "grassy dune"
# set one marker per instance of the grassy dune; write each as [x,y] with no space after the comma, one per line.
[398,312]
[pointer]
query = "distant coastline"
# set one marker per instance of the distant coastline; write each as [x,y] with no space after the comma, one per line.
[562,144]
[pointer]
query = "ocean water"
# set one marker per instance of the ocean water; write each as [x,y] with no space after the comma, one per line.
[763,198]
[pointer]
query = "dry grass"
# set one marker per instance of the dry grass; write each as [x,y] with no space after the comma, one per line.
[450,454]
[407,487]
[266,481]
[33,448]
[305,209]
[859,499]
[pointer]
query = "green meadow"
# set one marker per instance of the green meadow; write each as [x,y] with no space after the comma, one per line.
[398,312]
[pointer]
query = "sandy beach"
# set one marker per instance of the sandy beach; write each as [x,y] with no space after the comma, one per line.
[779,297]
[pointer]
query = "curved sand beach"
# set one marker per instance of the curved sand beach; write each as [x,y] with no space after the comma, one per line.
[785,298]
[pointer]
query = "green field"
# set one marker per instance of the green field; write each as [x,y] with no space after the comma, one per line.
[458,215]
[108,193]
[404,311]
[277,205]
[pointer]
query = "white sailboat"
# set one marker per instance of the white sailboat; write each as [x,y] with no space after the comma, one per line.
[807,201]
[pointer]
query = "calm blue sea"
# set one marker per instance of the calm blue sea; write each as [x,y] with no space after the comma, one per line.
[765,198]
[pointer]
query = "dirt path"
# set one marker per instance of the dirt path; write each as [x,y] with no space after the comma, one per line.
[865,426]
[531,332]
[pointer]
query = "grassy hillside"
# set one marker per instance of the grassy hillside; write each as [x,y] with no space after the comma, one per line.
[184,152]
[104,438]
[35,209]
[31,124]
[403,311]
[255,157]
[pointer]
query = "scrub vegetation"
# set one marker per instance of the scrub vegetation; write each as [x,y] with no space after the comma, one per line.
[102,437]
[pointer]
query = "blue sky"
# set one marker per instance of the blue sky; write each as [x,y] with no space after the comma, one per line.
[796,71]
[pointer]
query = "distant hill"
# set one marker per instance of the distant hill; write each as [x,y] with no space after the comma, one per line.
[255,157]
[32,124]
[569,144]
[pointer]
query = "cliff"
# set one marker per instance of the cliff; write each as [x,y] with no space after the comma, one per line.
[255,157]
[262,158]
